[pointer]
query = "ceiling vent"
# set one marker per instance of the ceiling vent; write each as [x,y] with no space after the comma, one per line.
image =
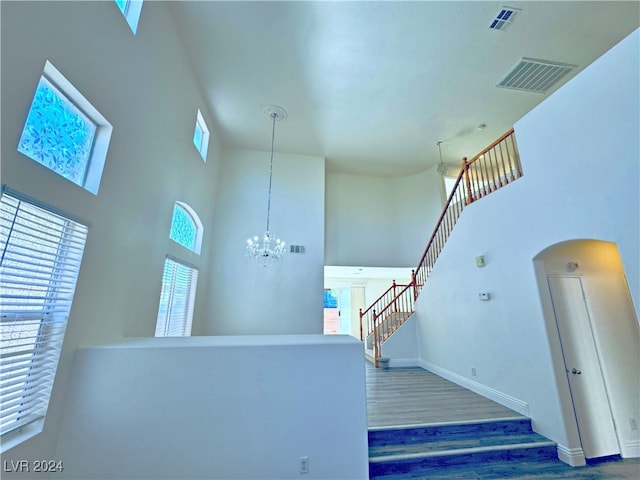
[505,17]
[534,75]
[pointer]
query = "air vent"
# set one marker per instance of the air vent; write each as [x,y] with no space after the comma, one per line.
[505,17]
[296,248]
[534,75]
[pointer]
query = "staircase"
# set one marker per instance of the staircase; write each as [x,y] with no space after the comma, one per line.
[456,449]
[493,168]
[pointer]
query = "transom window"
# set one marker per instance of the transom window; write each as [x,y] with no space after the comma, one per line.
[186,228]
[64,132]
[201,136]
[40,255]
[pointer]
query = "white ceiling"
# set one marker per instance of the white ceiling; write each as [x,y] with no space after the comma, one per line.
[372,86]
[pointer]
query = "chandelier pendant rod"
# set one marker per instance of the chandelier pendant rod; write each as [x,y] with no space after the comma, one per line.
[274,115]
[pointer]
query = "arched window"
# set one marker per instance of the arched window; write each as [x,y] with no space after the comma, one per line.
[186,228]
[179,279]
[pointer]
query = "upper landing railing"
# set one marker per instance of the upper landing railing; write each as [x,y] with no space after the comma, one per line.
[493,168]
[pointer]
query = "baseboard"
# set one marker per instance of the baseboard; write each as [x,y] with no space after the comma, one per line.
[498,397]
[404,362]
[571,456]
[631,449]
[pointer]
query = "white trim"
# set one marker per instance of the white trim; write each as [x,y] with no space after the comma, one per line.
[404,362]
[631,449]
[571,456]
[499,397]
[20,435]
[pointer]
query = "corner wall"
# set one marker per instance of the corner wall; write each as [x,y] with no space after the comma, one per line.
[580,157]
[380,221]
[147,409]
[245,298]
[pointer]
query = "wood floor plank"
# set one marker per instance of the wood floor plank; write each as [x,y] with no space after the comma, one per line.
[412,396]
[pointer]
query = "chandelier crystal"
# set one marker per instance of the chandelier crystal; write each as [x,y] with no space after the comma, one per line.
[269,250]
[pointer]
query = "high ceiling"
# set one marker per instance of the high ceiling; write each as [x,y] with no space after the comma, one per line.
[372,86]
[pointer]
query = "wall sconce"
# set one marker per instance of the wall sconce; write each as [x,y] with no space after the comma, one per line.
[480,261]
[572,266]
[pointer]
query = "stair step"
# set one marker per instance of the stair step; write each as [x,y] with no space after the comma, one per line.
[454,446]
[450,431]
[450,447]
[461,459]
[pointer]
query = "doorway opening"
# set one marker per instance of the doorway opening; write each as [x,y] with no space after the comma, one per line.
[337,311]
[594,336]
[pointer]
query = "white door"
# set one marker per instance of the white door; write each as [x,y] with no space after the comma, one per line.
[588,391]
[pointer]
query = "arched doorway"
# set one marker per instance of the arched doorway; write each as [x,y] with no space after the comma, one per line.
[594,337]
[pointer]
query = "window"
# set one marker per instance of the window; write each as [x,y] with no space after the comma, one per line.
[177,299]
[178,293]
[186,228]
[40,255]
[131,10]
[201,136]
[64,132]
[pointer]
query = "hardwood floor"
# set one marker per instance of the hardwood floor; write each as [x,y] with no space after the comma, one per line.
[413,396]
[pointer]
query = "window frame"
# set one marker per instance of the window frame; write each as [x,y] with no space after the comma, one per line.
[170,322]
[201,125]
[29,268]
[102,136]
[131,12]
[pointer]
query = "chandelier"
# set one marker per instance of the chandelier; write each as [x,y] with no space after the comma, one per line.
[269,250]
[442,168]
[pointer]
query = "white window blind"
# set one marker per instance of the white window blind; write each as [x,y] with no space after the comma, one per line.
[177,299]
[40,255]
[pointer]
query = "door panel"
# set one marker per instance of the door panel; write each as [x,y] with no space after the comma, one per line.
[588,391]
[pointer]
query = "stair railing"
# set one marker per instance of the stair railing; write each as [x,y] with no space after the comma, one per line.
[387,314]
[493,168]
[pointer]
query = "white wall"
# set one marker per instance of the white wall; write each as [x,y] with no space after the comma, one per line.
[579,153]
[144,87]
[380,221]
[285,298]
[402,347]
[217,408]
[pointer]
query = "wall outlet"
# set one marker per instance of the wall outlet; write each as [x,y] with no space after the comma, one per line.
[633,423]
[304,465]
[473,371]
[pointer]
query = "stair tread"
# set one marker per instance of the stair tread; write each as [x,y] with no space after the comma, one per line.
[450,446]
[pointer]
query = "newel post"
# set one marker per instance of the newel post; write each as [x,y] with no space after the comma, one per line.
[465,166]
[395,300]
[413,282]
[376,347]
[361,335]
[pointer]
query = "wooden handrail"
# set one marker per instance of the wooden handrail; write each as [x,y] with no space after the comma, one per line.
[493,168]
